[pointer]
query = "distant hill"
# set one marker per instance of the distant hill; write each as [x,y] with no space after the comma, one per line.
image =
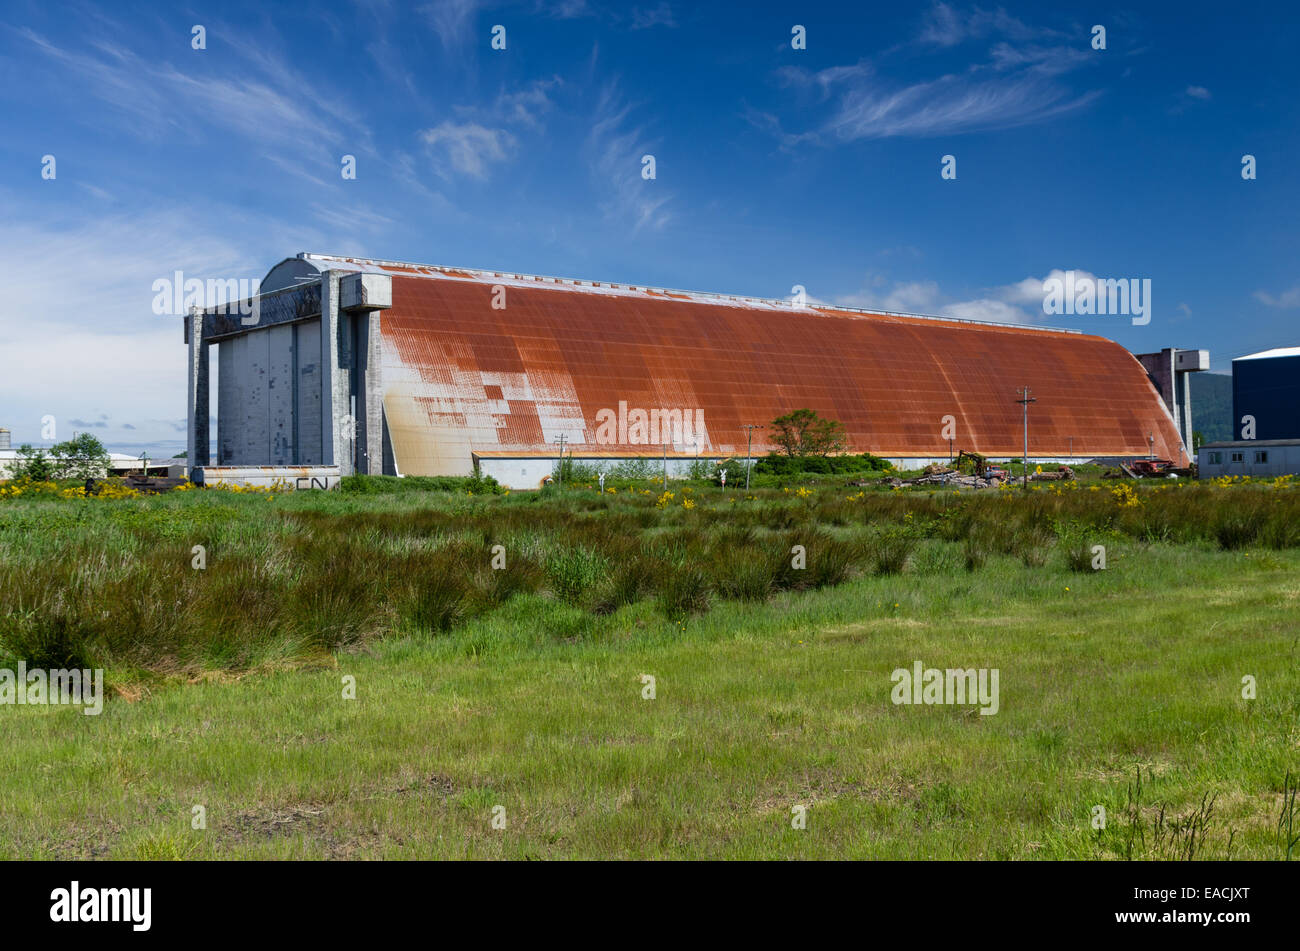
[1212,405]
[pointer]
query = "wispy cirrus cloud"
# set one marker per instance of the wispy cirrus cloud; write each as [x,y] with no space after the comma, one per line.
[526,106]
[451,20]
[947,106]
[1285,301]
[265,99]
[945,25]
[1016,82]
[615,147]
[643,18]
[563,9]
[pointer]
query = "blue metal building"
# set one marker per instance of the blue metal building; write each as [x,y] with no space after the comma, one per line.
[1266,387]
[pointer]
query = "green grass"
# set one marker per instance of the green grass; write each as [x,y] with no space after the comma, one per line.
[772,686]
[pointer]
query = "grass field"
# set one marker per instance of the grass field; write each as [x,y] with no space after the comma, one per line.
[517,693]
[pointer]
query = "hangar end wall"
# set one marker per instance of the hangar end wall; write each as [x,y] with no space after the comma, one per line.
[269,397]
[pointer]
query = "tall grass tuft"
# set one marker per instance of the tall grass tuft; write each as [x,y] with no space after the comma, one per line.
[437,602]
[684,591]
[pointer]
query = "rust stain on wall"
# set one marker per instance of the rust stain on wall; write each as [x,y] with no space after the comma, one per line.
[461,376]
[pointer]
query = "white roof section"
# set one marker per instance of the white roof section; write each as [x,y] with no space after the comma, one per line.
[1269,354]
[115,459]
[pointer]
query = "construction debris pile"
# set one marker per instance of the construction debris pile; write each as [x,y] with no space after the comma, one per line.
[984,475]
[1150,469]
[942,475]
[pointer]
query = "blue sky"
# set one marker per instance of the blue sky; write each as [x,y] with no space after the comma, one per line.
[774,166]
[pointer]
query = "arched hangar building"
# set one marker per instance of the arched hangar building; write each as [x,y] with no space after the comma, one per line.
[383,367]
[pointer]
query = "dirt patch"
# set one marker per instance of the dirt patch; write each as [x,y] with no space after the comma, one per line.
[442,785]
[268,823]
[864,629]
[817,789]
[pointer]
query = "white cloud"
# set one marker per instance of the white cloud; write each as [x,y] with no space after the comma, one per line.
[347,218]
[471,147]
[644,18]
[615,149]
[78,334]
[947,106]
[265,100]
[1014,85]
[467,148]
[528,105]
[451,20]
[1286,300]
[1020,302]
[1198,92]
[943,27]
[564,9]
[946,26]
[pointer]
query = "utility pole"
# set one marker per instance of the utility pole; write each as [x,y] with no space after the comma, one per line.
[749,448]
[1024,401]
[560,471]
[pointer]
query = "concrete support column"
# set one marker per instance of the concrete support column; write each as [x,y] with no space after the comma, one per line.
[372,385]
[351,355]
[1160,368]
[197,409]
[338,430]
[361,298]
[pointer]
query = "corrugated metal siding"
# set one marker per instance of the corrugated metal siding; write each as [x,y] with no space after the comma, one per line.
[459,375]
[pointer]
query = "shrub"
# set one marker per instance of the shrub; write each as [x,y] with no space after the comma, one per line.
[1078,554]
[633,470]
[1280,531]
[622,587]
[979,539]
[54,639]
[684,590]
[436,603]
[783,465]
[1034,543]
[830,563]
[522,575]
[747,576]
[569,470]
[573,571]
[890,551]
[389,485]
[1076,545]
[1237,530]
[32,465]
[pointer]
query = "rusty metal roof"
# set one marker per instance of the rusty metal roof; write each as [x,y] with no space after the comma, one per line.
[461,377]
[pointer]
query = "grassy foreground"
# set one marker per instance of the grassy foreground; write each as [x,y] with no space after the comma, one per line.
[765,698]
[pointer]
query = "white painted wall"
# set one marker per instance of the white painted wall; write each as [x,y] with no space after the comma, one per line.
[1282,460]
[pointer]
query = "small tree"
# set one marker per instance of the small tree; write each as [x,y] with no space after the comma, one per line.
[804,433]
[32,464]
[81,457]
